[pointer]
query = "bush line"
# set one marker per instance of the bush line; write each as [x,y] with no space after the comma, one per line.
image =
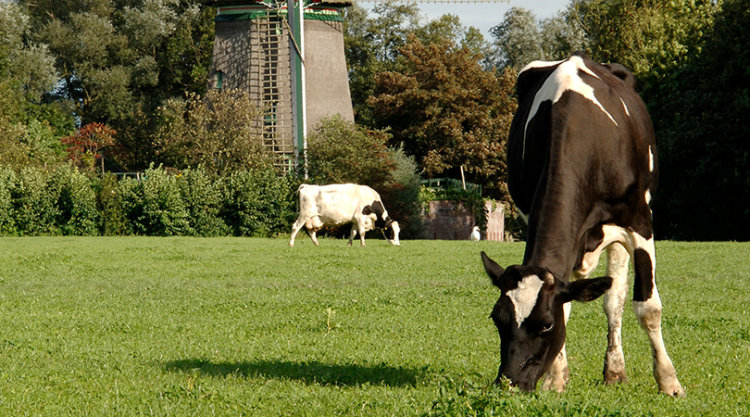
[64,201]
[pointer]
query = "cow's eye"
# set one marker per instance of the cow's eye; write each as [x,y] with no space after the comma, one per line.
[547,328]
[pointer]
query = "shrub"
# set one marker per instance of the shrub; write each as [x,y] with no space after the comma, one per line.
[401,195]
[258,202]
[154,206]
[203,201]
[35,202]
[112,218]
[7,181]
[77,209]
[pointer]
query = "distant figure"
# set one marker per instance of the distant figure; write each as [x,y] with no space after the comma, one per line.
[475,236]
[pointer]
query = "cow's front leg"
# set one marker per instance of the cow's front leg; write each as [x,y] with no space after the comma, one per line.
[295,229]
[648,309]
[362,231]
[614,303]
[558,374]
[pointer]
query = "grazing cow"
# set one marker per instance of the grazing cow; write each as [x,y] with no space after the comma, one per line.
[582,169]
[337,204]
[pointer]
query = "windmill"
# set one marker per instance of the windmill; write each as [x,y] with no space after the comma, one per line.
[289,56]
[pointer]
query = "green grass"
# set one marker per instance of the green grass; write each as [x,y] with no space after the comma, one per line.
[230,326]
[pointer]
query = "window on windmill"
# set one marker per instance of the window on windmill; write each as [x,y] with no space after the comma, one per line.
[219,82]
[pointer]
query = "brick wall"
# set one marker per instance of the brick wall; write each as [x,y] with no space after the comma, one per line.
[450,220]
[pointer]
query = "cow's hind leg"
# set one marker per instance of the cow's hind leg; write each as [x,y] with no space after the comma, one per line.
[352,234]
[614,303]
[558,374]
[314,235]
[647,306]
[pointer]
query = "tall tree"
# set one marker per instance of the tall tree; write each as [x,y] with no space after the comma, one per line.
[372,44]
[371,47]
[517,39]
[121,59]
[30,127]
[520,38]
[650,37]
[448,112]
[700,115]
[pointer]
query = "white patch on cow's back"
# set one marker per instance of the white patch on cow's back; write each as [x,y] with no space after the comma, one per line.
[625,106]
[524,296]
[650,159]
[539,64]
[564,78]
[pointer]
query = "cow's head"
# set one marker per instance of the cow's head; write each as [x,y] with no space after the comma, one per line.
[391,231]
[529,317]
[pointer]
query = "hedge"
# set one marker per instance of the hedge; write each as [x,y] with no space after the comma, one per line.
[63,201]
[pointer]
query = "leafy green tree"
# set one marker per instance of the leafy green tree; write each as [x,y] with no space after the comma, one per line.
[29,127]
[119,60]
[371,47]
[520,38]
[448,112]
[219,132]
[517,39]
[700,114]
[650,37]
[339,151]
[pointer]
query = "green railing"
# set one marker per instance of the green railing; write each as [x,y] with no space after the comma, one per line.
[451,183]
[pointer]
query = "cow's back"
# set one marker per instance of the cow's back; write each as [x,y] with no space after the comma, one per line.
[580,143]
[584,126]
[335,203]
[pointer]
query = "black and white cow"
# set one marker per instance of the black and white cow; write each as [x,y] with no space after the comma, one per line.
[582,169]
[337,204]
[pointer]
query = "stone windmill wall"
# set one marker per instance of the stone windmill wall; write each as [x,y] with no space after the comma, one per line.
[252,53]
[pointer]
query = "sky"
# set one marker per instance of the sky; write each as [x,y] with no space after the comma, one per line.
[484,16]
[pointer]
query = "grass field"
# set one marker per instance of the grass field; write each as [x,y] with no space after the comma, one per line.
[230,326]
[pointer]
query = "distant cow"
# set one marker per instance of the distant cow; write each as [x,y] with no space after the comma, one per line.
[582,168]
[338,204]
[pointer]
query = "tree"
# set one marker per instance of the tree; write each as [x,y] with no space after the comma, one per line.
[86,147]
[119,60]
[340,151]
[517,39]
[650,37]
[448,112]
[520,38]
[371,47]
[700,116]
[29,126]
[219,131]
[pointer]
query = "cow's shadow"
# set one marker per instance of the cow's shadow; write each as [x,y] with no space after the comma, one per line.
[308,372]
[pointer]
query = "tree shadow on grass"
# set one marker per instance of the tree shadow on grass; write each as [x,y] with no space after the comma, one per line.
[308,372]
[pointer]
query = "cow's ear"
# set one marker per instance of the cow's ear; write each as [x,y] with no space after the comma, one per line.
[494,270]
[586,289]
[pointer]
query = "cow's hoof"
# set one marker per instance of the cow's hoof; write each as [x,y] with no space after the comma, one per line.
[673,390]
[615,377]
[557,384]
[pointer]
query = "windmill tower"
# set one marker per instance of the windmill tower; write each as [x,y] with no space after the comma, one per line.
[253,51]
[289,55]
